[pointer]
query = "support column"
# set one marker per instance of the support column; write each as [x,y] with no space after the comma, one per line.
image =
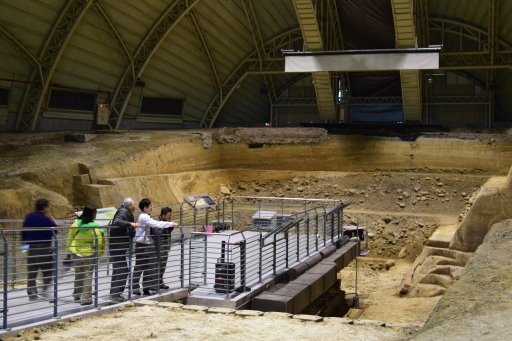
[405,34]
[310,28]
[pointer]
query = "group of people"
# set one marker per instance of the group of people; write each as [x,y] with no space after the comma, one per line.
[86,242]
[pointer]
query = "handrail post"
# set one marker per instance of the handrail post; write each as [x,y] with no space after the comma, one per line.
[325,228]
[286,247]
[96,269]
[182,258]
[316,230]
[156,278]
[297,229]
[205,267]
[13,279]
[55,273]
[274,261]
[243,263]
[190,262]
[130,272]
[332,227]
[260,265]
[340,221]
[6,279]
[307,235]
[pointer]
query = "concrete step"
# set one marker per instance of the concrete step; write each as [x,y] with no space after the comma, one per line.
[442,236]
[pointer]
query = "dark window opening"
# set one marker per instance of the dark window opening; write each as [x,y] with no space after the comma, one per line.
[72,100]
[255,145]
[4,97]
[161,106]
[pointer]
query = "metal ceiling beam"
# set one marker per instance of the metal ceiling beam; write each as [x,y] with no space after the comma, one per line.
[309,23]
[258,42]
[410,80]
[169,19]
[112,29]
[455,58]
[493,45]
[252,64]
[422,18]
[475,60]
[463,30]
[29,56]
[50,55]
[335,41]
[207,51]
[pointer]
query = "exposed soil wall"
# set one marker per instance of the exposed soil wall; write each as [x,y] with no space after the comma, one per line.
[47,162]
[479,305]
[493,204]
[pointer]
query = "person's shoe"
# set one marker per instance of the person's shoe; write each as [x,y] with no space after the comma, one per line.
[117,298]
[33,297]
[136,292]
[76,298]
[86,303]
[164,287]
[148,292]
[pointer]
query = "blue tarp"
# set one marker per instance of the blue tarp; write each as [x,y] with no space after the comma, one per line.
[382,113]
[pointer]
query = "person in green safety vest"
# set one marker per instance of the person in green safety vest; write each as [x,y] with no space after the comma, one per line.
[86,242]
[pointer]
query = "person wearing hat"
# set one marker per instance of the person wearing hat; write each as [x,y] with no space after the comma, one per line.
[121,232]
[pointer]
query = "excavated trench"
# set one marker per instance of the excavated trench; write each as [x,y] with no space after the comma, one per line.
[417,199]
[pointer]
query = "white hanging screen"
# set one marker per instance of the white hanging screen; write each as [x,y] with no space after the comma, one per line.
[361,62]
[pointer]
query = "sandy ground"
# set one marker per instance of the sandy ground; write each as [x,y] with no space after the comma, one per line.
[156,323]
[377,288]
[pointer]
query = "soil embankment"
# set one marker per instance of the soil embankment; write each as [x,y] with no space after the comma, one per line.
[479,305]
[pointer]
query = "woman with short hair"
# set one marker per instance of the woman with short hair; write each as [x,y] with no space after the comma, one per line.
[85,241]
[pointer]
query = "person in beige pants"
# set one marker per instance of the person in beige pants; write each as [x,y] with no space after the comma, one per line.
[86,242]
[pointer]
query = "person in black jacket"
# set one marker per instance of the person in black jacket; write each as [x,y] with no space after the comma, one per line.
[162,238]
[40,253]
[119,243]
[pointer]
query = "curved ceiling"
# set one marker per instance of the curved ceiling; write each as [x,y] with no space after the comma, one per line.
[94,57]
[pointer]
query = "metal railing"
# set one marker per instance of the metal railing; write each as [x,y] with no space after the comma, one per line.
[259,237]
[231,262]
[41,282]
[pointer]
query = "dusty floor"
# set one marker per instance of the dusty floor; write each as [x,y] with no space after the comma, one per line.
[155,323]
[378,280]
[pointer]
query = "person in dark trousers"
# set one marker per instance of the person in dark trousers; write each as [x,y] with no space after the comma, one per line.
[145,253]
[121,232]
[40,253]
[162,239]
